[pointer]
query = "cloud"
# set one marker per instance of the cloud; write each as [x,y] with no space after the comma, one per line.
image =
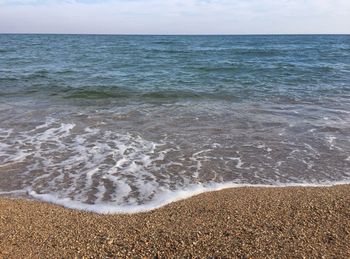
[175,16]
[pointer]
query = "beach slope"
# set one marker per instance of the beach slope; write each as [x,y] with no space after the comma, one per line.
[242,222]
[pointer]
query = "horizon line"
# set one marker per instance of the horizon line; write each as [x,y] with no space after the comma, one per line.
[176,34]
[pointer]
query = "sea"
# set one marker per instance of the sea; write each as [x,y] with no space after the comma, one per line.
[130,123]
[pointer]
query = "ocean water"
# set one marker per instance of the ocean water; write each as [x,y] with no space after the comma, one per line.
[131,123]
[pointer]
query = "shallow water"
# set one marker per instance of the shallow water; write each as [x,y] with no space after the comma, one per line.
[129,123]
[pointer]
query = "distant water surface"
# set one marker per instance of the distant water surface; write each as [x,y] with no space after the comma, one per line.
[130,123]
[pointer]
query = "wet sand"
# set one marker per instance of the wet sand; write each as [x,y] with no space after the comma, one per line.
[242,222]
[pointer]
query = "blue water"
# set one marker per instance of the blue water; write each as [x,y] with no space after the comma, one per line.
[121,122]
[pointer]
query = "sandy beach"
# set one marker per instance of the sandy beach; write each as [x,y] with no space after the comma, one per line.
[242,223]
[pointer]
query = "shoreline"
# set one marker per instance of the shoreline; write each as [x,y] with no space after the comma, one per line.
[233,222]
[174,196]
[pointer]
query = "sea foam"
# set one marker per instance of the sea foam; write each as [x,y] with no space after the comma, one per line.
[166,197]
[102,170]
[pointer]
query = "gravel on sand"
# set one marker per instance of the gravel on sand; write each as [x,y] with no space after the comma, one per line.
[236,223]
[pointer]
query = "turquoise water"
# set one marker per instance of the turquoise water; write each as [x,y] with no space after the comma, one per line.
[128,123]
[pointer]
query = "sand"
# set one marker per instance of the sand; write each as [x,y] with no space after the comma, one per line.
[235,223]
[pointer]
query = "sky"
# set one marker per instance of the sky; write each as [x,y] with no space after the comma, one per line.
[175,16]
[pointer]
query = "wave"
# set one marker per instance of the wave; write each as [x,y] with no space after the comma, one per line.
[172,94]
[94,94]
[160,95]
[219,69]
[84,164]
[240,93]
[18,93]
[166,197]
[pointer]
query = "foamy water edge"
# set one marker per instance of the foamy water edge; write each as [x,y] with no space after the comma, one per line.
[167,198]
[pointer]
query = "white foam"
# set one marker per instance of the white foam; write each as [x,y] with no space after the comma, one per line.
[108,171]
[331,142]
[14,192]
[239,162]
[263,146]
[166,197]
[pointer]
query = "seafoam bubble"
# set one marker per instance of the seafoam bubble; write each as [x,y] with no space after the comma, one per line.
[105,169]
[164,197]
[93,165]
